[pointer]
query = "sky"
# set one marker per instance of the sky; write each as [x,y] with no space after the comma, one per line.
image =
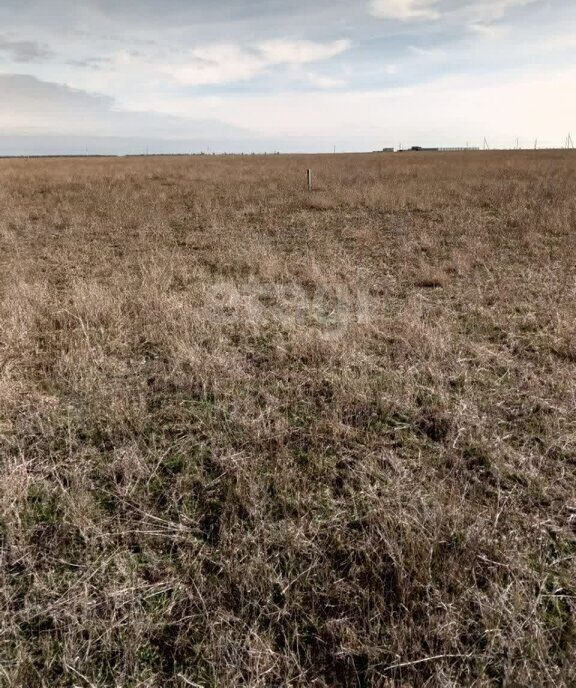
[104,76]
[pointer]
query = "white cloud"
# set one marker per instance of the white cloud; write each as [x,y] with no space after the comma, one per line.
[325,82]
[488,30]
[404,10]
[491,10]
[428,54]
[221,64]
[216,64]
[476,10]
[300,52]
[123,58]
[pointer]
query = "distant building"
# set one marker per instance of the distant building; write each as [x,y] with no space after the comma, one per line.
[417,149]
[387,150]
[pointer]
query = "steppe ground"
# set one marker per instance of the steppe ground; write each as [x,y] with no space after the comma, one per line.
[255,436]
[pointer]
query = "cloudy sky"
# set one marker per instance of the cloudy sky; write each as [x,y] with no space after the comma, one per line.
[233,75]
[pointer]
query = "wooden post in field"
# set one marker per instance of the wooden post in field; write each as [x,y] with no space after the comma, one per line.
[309,175]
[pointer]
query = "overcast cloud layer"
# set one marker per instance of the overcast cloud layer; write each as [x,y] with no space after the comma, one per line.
[254,75]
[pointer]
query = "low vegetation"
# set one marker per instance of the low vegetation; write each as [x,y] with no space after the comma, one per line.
[255,436]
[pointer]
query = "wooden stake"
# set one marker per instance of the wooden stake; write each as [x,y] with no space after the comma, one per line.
[309,175]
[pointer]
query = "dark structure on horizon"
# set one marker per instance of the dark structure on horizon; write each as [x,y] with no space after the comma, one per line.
[442,150]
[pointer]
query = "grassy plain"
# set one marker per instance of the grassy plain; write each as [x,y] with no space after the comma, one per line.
[255,436]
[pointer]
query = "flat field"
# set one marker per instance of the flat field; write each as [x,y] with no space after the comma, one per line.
[251,435]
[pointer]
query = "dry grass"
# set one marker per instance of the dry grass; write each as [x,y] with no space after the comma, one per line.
[253,436]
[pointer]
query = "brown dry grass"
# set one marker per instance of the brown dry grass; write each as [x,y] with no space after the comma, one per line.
[252,436]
